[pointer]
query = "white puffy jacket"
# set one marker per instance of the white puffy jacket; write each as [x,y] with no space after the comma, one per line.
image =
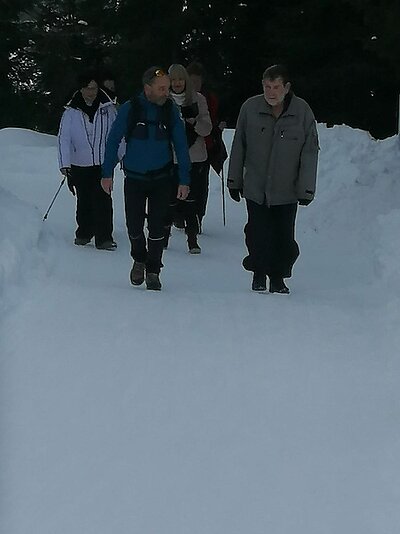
[81,142]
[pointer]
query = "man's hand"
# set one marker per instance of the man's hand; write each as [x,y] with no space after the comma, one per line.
[183,191]
[107,185]
[236,194]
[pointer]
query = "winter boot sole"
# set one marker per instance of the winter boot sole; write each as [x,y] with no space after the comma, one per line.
[153,282]
[82,241]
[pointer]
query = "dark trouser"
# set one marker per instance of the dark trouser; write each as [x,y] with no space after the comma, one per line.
[270,240]
[187,209]
[202,190]
[94,212]
[156,192]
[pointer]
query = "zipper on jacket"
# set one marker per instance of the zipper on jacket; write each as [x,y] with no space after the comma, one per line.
[87,136]
[101,136]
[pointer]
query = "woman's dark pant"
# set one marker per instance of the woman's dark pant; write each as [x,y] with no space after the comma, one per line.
[94,212]
[202,190]
[155,193]
[270,239]
[188,208]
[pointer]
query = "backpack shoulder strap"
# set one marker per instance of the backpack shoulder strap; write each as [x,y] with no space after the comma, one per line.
[166,115]
[135,114]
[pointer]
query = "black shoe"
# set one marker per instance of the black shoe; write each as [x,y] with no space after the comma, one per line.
[153,281]
[81,241]
[277,285]
[179,223]
[193,246]
[137,273]
[107,245]
[259,282]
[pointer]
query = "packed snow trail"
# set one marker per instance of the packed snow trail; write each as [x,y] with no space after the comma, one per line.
[204,408]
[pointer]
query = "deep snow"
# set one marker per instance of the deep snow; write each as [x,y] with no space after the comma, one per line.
[206,408]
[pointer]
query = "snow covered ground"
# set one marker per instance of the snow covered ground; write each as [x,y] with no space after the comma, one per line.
[205,408]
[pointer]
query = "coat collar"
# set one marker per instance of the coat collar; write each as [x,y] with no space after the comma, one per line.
[77,101]
[288,107]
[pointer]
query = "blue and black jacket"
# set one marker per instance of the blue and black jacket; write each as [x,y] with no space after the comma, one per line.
[148,150]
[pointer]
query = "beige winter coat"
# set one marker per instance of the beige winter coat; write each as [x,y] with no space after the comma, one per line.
[274,160]
[202,127]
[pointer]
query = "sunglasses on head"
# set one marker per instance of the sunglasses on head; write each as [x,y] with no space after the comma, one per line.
[159,72]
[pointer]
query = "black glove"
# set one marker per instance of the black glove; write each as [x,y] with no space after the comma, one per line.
[190,112]
[70,182]
[236,194]
[304,201]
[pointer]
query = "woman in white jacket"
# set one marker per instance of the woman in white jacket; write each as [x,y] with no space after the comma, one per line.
[82,136]
[194,111]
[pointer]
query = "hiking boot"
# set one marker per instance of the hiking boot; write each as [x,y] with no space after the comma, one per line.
[277,285]
[153,281]
[259,282]
[193,245]
[107,245]
[179,223]
[137,273]
[81,241]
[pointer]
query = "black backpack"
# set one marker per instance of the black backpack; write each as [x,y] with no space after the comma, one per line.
[137,118]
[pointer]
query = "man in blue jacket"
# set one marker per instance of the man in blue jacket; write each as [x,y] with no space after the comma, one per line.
[151,125]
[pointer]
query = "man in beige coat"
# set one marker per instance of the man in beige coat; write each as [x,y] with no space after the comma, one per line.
[273,165]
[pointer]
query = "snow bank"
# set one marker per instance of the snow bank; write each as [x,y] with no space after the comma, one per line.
[27,169]
[19,234]
[355,213]
[25,138]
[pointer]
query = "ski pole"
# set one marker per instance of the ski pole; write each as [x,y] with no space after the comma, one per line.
[223,195]
[54,198]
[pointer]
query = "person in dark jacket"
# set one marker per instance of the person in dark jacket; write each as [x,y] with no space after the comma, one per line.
[82,135]
[273,165]
[107,83]
[216,150]
[151,125]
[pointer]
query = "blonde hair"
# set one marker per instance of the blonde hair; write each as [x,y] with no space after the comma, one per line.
[177,71]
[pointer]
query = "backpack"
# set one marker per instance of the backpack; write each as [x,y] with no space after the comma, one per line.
[137,120]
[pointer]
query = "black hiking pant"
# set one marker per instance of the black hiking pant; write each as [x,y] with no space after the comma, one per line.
[155,193]
[202,190]
[94,212]
[270,239]
[187,209]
